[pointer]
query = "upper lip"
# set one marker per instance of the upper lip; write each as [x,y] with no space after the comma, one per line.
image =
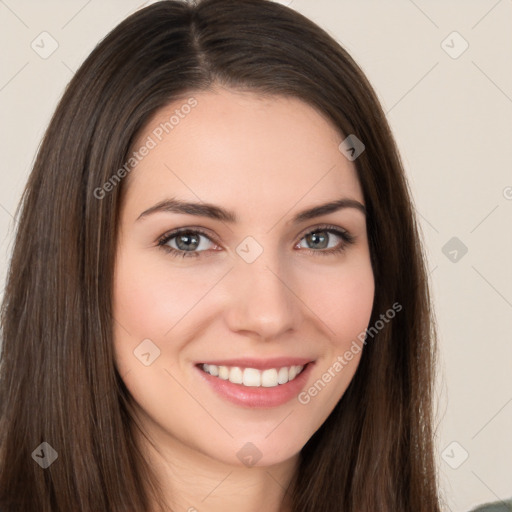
[261,364]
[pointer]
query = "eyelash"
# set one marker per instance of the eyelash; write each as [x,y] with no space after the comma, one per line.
[346,237]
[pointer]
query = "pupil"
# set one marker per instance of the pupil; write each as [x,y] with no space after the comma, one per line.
[191,240]
[315,238]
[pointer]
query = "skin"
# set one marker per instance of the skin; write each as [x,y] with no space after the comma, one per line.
[266,159]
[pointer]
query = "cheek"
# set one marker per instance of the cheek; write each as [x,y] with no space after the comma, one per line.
[344,308]
[149,300]
[343,301]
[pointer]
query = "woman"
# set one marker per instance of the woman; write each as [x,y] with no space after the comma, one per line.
[217,295]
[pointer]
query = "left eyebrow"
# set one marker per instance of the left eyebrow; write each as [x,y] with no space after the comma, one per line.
[327,208]
[218,213]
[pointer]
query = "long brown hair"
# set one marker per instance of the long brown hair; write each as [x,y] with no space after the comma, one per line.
[58,381]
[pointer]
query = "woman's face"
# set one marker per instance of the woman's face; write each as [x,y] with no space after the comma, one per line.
[251,287]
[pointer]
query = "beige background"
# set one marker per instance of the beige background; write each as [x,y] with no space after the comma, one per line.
[452,118]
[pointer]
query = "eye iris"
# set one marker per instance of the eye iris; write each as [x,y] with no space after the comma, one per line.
[315,238]
[191,241]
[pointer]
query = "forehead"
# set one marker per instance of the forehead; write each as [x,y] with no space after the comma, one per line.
[243,150]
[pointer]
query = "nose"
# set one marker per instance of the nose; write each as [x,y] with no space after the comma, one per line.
[261,298]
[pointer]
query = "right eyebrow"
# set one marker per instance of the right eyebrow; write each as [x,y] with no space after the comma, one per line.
[199,209]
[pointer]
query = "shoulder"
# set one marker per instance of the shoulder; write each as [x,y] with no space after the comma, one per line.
[498,506]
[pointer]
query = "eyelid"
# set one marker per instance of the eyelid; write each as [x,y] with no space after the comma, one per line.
[327,227]
[177,231]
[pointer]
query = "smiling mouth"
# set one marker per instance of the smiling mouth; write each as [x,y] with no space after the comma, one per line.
[252,377]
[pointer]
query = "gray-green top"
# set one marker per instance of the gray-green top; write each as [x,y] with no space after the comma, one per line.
[497,506]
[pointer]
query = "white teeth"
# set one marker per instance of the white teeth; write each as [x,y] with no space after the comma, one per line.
[282,376]
[236,375]
[251,377]
[269,378]
[224,372]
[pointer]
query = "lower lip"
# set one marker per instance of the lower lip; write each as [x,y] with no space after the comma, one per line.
[258,396]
